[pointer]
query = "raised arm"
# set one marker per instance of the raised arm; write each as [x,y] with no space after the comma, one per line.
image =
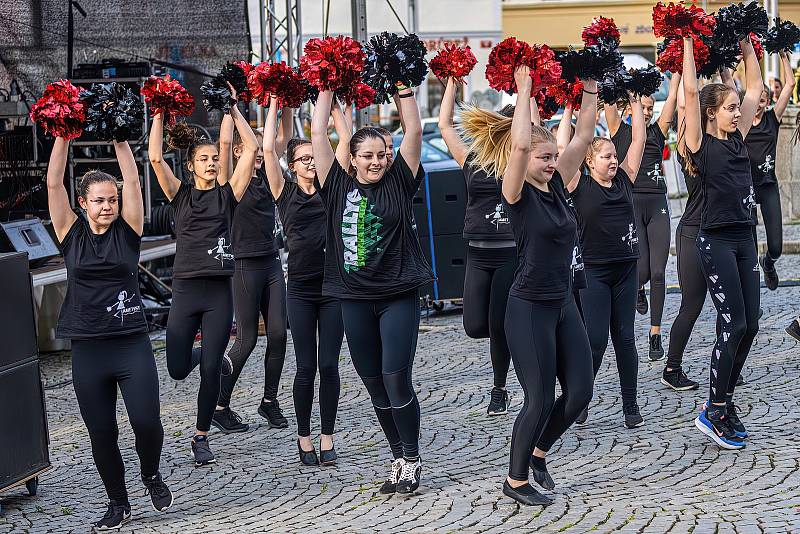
[344,132]
[285,131]
[569,162]
[456,145]
[166,179]
[225,148]
[132,204]
[564,133]
[787,78]
[613,117]
[411,145]
[693,130]
[514,175]
[535,118]
[633,159]
[348,118]
[321,146]
[681,104]
[668,111]
[396,99]
[272,165]
[61,214]
[754,85]
[243,171]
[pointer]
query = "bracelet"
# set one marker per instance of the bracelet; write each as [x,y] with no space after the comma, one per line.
[406,95]
[590,92]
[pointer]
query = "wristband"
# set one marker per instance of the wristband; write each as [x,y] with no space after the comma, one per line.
[590,92]
[406,95]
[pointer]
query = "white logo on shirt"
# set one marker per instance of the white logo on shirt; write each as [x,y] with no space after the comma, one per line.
[577,260]
[663,211]
[497,217]
[630,238]
[220,252]
[655,174]
[121,309]
[768,165]
[750,200]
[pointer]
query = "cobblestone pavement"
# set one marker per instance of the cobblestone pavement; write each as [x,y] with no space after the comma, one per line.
[662,477]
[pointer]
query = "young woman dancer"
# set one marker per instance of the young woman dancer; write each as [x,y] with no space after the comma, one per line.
[716,126]
[544,329]
[603,200]
[491,256]
[315,320]
[374,265]
[762,143]
[201,286]
[258,287]
[103,317]
[650,206]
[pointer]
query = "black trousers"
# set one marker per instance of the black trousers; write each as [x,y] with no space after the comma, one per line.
[609,302]
[769,198]
[382,336]
[99,366]
[547,340]
[487,281]
[730,264]
[652,227]
[258,288]
[200,304]
[317,334]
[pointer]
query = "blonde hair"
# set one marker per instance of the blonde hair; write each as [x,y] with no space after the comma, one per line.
[488,138]
[594,147]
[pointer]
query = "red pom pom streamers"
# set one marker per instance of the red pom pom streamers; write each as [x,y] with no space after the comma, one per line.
[279,80]
[567,93]
[60,111]
[166,95]
[602,30]
[359,95]
[670,57]
[511,53]
[333,62]
[453,62]
[677,20]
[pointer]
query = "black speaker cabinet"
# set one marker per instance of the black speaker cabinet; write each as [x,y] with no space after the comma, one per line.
[446,193]
[449,260]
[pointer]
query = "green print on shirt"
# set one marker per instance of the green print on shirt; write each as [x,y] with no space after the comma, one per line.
[360,229]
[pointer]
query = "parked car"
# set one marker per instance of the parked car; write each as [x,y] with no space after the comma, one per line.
[430,153]
[430,125]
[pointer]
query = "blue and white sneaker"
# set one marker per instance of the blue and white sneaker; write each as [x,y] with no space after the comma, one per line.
[734,421]
[719,431]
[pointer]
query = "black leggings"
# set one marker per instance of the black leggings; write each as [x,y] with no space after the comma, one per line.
[547,341]
[609,302]
[99,366]
[769,198]
[693,293]
[207,304]
[487,281]
[382,336]
[652,227]
[317,333]
[730,264]
[258,287]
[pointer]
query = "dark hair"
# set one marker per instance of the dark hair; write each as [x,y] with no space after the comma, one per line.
[507,111]
[181,136]
[361,135]
[383,131]
[294,144]
[237,139]
[93,177]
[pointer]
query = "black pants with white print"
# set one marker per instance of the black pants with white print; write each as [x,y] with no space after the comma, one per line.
[729,261]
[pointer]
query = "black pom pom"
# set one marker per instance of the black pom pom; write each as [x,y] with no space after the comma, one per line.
[737,21]
[113,111]
[216,95]
[782,37]
[722,53]
[235,75]
[393,59]
[614,86]
[592,62]
[644,81]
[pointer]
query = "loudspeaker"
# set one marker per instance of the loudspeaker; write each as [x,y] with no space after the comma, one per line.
[448,260]
[446,192]
[30,235]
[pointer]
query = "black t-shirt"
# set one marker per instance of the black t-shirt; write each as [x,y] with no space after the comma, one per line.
[605,219]
[253,228]
[484,218]
[762,142]
[724,171]
[102,282]
[650,178]
[372,250]
[578,271]
[203,231]
[303,219]
[694,203]
[544,229]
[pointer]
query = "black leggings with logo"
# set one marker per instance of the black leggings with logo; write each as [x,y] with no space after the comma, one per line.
[652,227]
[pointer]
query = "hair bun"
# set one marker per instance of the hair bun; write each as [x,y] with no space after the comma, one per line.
[181,136]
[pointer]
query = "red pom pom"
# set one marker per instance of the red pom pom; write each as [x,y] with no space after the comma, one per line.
[503,59]
[359,95]
[547,104]
[671,58]
[60,111]
[677,20]
[757,46]
[166,95]
[545,69]
[333,62]
[453,61]
[601,29]
[567,93]
[276,79]
[246,66]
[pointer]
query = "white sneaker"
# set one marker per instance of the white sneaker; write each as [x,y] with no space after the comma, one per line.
[409,477]
[390,486]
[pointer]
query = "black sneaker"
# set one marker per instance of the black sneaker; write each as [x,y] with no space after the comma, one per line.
[526,495]
[641,302]
[409,476]
[656,349]
[116,516]
[390,486]
[735,423]
[632,416]
[228,421]
[540,473]
[719,430]
[677,380]
[770,273]
[794,329]
[498,405]
[583,416]
[271,411]
[201,451]
[227,366]
[159,493]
